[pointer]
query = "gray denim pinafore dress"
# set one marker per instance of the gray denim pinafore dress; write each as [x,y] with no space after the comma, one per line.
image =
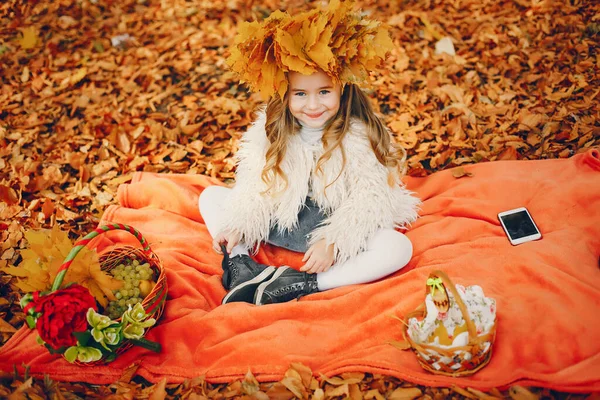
[309,218]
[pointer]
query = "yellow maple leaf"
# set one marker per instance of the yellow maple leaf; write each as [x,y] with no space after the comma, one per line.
[46,252]
[85,271]
[320,52]
[41,259]
[29,39]
[383,42]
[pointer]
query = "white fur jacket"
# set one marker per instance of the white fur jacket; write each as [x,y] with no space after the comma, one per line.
[358,204]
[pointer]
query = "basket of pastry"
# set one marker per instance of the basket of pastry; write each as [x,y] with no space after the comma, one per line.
[453,331]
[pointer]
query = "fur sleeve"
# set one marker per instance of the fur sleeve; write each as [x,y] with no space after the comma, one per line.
[371,203]
[247,210]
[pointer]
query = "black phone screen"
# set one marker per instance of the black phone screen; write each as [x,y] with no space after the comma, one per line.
[519,225]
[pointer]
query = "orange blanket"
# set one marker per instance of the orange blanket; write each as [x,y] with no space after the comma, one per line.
[547,292]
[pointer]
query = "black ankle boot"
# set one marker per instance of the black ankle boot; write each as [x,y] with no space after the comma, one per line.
[286,284]
[241,276]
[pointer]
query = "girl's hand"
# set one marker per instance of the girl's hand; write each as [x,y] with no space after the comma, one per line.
[318,258]
[231,238]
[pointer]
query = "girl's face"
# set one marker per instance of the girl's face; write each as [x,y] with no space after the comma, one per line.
[314,99]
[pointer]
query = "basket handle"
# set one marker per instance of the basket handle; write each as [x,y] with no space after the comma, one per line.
[463,308]
[81,243]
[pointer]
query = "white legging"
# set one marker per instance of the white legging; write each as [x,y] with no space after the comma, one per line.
[387,251]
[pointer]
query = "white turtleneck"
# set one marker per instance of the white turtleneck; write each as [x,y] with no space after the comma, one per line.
[311,136]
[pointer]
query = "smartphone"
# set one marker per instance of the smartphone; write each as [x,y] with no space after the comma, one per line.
[519,226]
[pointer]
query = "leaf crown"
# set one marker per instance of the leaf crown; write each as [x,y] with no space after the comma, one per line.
[336,40]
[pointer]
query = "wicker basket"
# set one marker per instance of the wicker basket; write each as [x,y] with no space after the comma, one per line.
[153,303]
[458,360]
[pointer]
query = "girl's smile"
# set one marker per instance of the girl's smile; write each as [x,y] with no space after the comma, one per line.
[314,99]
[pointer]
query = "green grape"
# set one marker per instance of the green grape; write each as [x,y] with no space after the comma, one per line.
[118,295]
[136,262]
[124,292]
[128,268]
[128,278]
[122,302]
[136,292]
[136,276]
[127,285]
[131,293]
[135,282]
[136,300]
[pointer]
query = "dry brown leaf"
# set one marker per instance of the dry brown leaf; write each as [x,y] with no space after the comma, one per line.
[295,386]
[341,380]
[29,39]
[250,385]
[481,395]
[463,392]
[279,391]
[129,372]
[304,372]
[21,390]
[318,394]
[8,195]
[520,393]
[158,390]
[405,394]
[335,391]
[6,327]
[459,172]
[374,394]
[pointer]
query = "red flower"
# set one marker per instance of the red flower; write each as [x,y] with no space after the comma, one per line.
[63,312]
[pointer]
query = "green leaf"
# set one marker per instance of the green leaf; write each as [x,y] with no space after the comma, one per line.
[52,350]
[71,354]
[82,337]
[30,321]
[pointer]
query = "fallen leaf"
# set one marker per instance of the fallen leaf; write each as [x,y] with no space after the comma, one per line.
[405,394]
[459,172]
[520,393]
[29,39]
[129,372]
[6,327]
[159,392]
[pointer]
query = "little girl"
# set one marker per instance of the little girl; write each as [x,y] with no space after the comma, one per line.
[317,172]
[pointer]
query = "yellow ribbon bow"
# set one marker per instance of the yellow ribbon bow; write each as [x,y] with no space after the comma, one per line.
[435,283]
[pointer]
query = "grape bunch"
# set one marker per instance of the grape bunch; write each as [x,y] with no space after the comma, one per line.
[138,281]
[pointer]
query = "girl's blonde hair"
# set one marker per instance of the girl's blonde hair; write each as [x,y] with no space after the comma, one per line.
[281,124]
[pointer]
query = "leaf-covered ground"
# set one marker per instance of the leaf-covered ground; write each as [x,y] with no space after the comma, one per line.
[93,90]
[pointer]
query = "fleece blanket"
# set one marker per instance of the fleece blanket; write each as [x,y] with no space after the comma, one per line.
[547,291]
